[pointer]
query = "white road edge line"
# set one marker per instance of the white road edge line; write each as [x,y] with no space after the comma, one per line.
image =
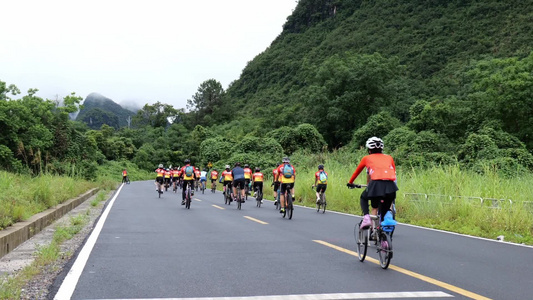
[339,296]
[71,280]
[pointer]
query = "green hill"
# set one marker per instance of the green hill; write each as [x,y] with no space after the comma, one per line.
[98,110]
[337,62]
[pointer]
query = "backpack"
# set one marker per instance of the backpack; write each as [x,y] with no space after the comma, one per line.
[189,170]
[288,172]
[322,177]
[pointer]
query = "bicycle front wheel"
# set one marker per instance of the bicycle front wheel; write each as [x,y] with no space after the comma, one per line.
[384,250]
[290,208]
[361,240]
[188,201]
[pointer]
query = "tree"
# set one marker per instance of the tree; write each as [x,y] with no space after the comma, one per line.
[156,115]
[205,101]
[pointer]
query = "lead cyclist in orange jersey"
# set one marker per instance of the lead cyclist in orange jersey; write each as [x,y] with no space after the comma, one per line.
[382,185]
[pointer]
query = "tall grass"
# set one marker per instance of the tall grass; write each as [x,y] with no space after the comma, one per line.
[453,204]
[23,196]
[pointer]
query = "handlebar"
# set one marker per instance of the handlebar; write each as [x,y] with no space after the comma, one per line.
[353,186]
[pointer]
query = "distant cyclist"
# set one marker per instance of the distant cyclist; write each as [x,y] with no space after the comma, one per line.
[214,177]
[321,182]
[175,177]
[382,186]
[247,176]
[188,177]
[227,179]
[257,181]
[159,177]
[238,180]
[197,173]
[203,178]
[124,176]
[286,176]
[275,182]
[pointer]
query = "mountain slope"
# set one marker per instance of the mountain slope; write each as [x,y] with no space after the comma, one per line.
[98,110]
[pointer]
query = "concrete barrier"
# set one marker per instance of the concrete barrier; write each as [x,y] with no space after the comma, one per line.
[20,232]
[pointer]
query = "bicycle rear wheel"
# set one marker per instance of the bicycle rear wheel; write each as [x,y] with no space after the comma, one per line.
[361,240]
[188,199]
[324,203]
[384,250]
[289,208]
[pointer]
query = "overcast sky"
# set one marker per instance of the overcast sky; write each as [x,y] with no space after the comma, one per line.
[142,51]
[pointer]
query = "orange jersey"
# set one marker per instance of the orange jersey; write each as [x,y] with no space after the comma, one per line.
[160,172]
[214,174]
[275,174]
[197,174]
[124,173]
[247,173]
[175,173]
[282,177]
[258,177]
[227,175]
[379,166]
[185,177]
[317,177]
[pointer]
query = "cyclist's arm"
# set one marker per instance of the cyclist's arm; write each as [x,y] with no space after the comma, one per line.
[358,170]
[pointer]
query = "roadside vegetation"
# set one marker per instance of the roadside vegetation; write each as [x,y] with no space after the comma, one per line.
[11,286]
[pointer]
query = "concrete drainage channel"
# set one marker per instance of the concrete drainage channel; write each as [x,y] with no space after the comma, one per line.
[15,235]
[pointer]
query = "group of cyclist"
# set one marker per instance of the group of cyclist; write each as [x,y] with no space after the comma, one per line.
[380,168]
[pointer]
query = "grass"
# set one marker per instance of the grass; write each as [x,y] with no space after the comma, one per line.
[453,203]
[11,287]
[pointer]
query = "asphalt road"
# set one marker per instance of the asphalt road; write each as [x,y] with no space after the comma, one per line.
[151,247]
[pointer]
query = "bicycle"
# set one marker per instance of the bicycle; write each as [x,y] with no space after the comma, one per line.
[289,208]
[166,185]
[227,194]
[277,200]
[175,186]
[321,203]
[258,196]
[239,198]
[188,197]
[382,234]
[213,187]
[159,189]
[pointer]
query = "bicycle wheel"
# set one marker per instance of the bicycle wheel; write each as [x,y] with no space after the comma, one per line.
[159,191]
[361,240]
[324,203]
[384,250]
[239,199]
[289,207]
[188,199]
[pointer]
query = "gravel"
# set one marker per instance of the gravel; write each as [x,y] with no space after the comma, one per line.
[40,286]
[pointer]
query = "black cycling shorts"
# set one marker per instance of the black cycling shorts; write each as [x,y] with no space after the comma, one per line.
[286,186]
[239,183]
[321,187]
[159,179]
[276,186]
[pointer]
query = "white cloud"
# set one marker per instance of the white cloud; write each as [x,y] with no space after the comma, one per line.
[146,51]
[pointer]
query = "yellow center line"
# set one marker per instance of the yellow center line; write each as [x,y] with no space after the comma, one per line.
[195,199]
[256,220]
[218,206]
[436,282]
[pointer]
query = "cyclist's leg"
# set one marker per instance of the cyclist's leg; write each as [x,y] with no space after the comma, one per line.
[387,202]
[243,191]
[283,189]
[183,190]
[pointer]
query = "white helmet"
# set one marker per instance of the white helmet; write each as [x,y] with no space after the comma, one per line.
[374,143]
[160,165]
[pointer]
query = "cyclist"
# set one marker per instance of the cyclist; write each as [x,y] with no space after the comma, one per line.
[214,177]
[188,177]
[286,176]
[175,177]
[227,178]
[257,182]
[168,174]
[321,177]
[275,182]
[159,177]
[124,176]
[203,178]
[197,173]
[238,180]
[247,176]
[382,186]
